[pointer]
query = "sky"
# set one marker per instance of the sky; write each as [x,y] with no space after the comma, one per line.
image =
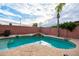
[42,13]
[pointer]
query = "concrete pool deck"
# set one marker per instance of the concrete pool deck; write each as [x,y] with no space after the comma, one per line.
[41,50]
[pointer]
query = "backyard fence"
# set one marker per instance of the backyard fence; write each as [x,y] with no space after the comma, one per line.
[47,31]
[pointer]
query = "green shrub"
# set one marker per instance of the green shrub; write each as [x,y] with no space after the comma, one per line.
[68,25]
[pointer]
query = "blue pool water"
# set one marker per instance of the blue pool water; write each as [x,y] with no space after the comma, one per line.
[18,41]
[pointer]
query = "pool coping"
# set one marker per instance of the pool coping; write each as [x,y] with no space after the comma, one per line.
[63,51]
[11,36]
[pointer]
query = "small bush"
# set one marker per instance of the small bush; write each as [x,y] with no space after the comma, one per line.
[7,33]
[17,36]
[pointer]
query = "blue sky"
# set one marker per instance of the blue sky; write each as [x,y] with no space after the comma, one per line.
[42,13]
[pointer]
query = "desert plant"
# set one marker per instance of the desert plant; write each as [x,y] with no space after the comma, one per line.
[7,33]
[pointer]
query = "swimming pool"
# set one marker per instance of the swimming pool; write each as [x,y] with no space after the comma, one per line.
[21,40]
